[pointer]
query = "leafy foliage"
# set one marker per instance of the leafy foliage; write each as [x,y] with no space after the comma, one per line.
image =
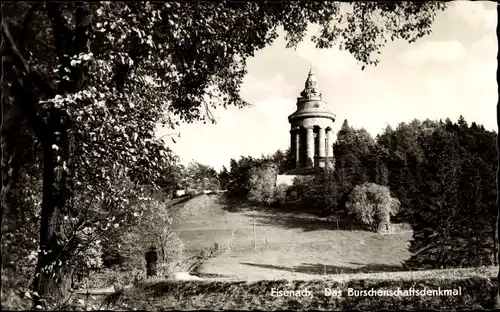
[153,229]
[236,179]
[280,192]
[239,175]
[403,155]
[262,184]
[318,193]
[372,204]
[200,177]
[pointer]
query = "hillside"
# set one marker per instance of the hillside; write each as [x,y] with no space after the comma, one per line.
[291,246]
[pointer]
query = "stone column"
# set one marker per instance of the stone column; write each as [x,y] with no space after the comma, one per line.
[310,146]
[297,148]
[329,143]
[322,147]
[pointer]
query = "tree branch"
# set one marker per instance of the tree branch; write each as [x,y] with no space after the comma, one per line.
[21,63]
[81,43]
[60,31]
[26,22]
[28,108]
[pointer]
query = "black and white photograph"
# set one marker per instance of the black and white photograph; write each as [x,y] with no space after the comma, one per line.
[249,155]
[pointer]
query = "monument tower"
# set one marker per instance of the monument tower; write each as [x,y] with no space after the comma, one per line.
[311,137]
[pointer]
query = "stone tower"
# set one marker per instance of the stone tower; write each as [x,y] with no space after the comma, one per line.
[311,137]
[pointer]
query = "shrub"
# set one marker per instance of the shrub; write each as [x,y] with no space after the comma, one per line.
[280,193]
[318,193]
[372,204]
[262,184]
[153,229]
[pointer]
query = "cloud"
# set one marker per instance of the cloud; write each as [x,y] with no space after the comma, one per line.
[433,51]
[485,49]
[252,85]
[329,63]
[476,13]
[276,108]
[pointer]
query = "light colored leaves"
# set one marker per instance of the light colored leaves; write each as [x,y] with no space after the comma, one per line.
[262,184]
[372,204]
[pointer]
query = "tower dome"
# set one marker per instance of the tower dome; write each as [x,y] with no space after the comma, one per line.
[311,82]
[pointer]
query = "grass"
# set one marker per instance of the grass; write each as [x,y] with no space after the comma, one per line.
[297,252]
[474,291]
[476,288]
[289,245]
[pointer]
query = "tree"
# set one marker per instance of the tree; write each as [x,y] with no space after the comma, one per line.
[262,184]
[282,160]
[201,177]
[319,194]
[91,81]
[171,178]
[402,154]
[452,226]
[224,178]
[239,175]
[356,161]
[353,151]
[372,204]
[153,229]
[280,193]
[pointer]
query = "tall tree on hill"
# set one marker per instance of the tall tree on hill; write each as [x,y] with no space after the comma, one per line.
[433,221]
[239,173]
[281,159]
[353,152]
[91,81]
[453,223]
[403,157]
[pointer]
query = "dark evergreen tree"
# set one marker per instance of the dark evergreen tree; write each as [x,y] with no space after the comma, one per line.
[454,222]
[432,222]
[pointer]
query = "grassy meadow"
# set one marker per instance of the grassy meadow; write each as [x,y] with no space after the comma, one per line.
[288,245]
[295,252]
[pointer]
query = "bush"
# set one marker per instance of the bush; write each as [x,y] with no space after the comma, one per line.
[372,204]
[192,207]
[262,183]
[318,193]
[280,193]
[153,229]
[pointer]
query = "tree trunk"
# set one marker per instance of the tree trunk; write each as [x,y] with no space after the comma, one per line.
[44,281]
[55,139]
[58,167]
[495,247]
[57,192]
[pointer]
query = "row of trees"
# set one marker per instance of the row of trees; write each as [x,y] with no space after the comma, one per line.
[236,179]
[194,176]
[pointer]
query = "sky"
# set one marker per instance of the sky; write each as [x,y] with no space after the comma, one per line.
[449,73]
